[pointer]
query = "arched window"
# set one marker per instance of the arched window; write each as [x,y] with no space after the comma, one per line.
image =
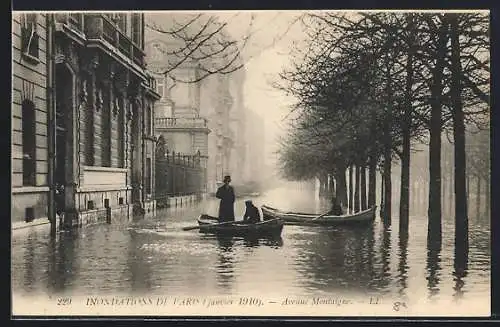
[29,143]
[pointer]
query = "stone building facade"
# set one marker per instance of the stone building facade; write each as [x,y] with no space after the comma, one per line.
[97,116]
[207,115]
[30,114]
[179,119]
[218,101]
[240,127]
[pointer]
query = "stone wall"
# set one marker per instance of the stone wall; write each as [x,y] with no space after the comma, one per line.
[29,84]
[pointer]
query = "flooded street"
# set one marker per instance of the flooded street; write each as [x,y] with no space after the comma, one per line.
[132,258]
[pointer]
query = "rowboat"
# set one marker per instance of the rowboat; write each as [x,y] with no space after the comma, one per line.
[297,218]
[268,228]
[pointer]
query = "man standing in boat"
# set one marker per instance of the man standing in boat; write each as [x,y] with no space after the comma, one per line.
[226,195]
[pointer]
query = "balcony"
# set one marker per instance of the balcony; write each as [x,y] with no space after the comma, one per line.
[102,28]
[181,123]
[73,25]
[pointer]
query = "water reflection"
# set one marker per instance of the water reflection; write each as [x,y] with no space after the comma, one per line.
[385,251]
[460,271]
[137,264]
[433,265]
[158,256]
[403,261]
[29,262]
[62,267]
[336,258]
[225,263]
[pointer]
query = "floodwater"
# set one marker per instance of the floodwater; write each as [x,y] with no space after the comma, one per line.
[136,258]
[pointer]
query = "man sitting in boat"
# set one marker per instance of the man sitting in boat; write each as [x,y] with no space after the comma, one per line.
[226,195]
[336,208]
[252,214]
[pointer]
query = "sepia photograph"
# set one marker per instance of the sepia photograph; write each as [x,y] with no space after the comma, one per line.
[291,163]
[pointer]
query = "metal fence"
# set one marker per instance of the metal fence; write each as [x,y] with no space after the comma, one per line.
[177,174]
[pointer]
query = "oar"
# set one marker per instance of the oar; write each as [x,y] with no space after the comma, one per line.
[200,226]
[320,216]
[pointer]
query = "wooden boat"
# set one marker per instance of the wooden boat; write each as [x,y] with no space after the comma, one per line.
[297,218]
[211,225]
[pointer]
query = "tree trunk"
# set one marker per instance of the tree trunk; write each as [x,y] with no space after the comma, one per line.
[434,209]
[413,193]
[467,189]
[404,206]
[478,198]
[388,145]
[372,181]
[450,193]
[341,188]
[488,200]
[356,188]
[461,215]
[363,188]
[351,185]
[404,197]
[321,185]
[382,194]
[387,187]
[444,181]
[333,185]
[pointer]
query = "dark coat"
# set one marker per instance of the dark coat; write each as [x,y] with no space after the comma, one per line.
[226,208]
[252,214]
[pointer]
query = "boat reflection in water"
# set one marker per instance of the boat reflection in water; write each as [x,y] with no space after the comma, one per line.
[247,241]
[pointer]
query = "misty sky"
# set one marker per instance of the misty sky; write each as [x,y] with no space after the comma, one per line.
[266,54]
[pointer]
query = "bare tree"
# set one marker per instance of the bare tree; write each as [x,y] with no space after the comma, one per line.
[203,41]
[421,85]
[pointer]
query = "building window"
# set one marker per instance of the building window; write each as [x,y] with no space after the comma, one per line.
[29,143]
[161,86]
[148,176]
[121,133]
[29,214]
[150,121]
[76,20]
[136,29]
[121,22]
[89,135]
[147,121]
[106,129]
[30,38]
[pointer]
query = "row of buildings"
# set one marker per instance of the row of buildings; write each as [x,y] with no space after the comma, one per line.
[87,111]
[208,116]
